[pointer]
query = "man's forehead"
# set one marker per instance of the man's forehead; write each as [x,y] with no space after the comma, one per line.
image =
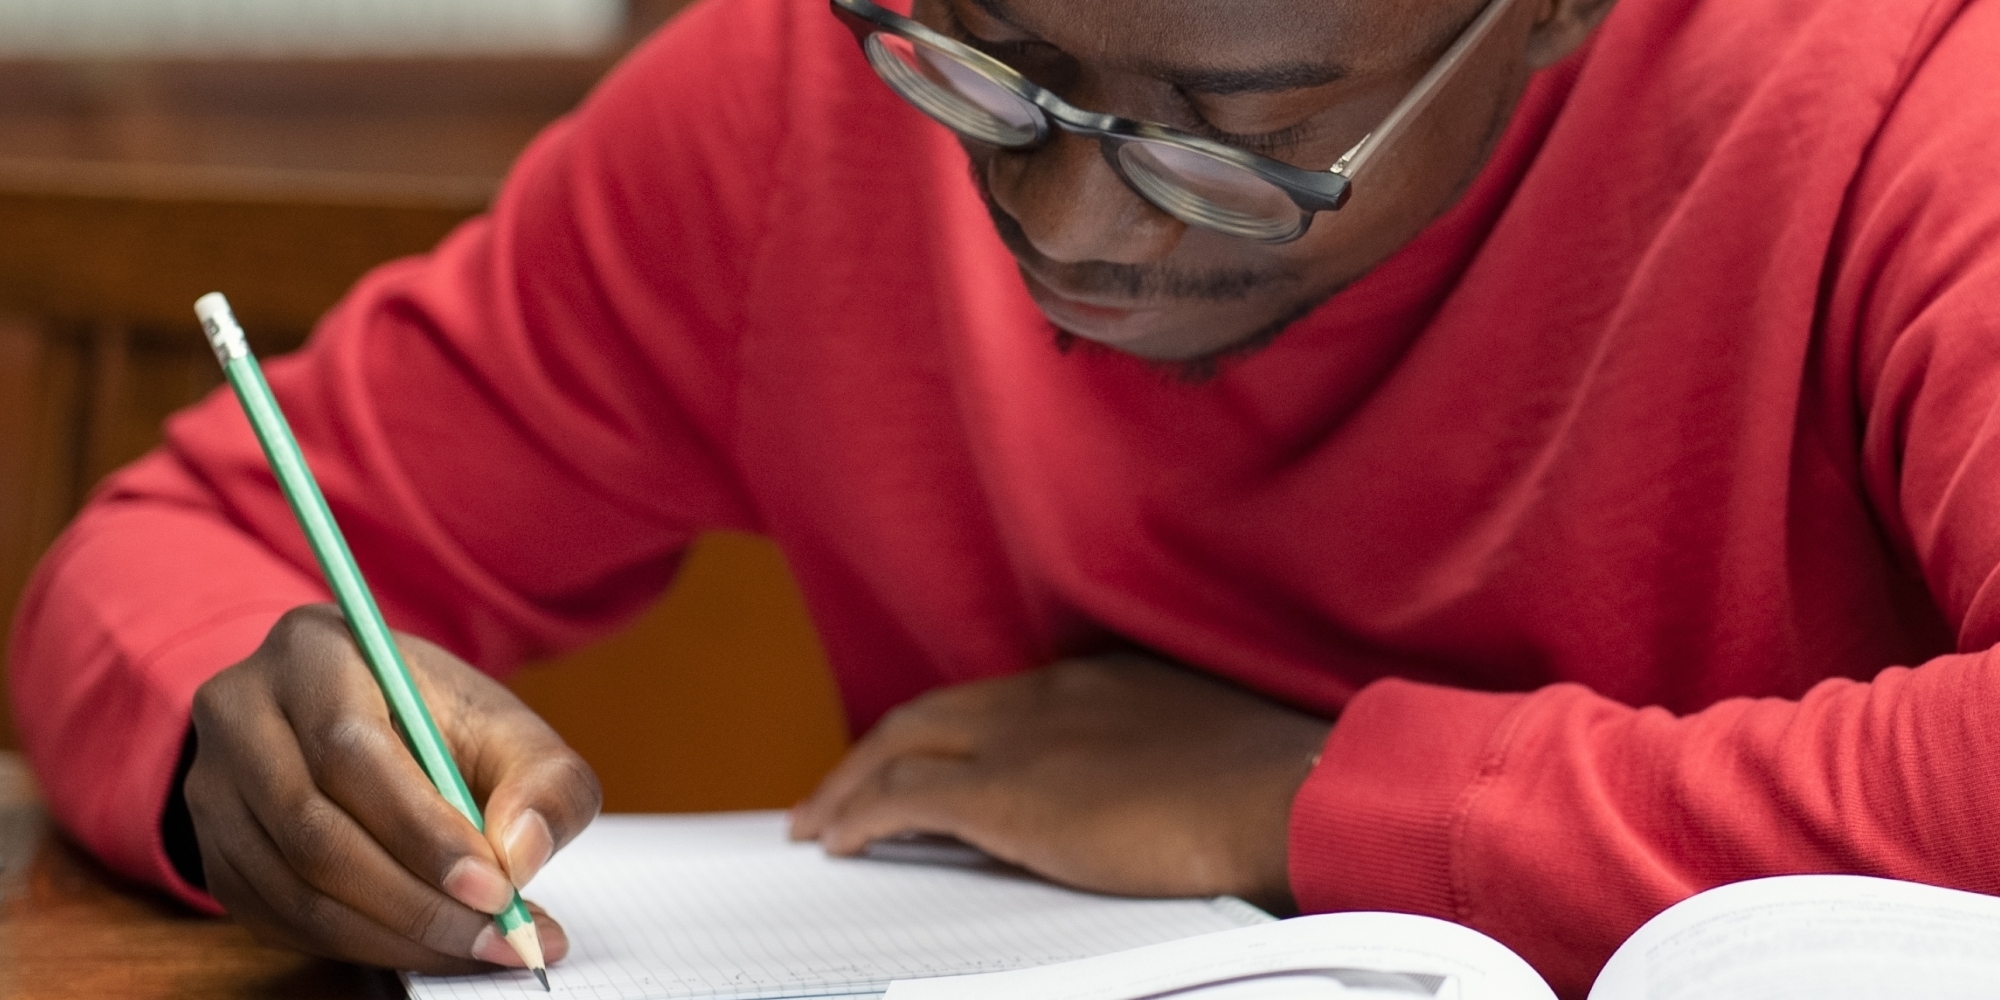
[1340,35]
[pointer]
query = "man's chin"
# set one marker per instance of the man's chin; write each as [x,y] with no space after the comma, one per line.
[1155,347]
[1138,339]
[1182,342]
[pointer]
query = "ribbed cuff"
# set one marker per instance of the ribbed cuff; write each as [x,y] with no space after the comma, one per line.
[123,819]
[1377,824]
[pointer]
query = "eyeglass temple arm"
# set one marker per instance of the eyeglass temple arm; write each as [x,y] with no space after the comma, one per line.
[1420,97]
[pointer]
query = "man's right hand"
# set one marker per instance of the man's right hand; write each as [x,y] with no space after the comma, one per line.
[319,831]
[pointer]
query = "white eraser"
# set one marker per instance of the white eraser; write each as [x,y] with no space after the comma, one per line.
[211,306]
[218,321]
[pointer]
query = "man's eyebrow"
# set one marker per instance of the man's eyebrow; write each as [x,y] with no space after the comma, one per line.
[1261,80]
[1199,80]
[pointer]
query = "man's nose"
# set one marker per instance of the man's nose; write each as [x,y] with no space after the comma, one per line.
[1074,208]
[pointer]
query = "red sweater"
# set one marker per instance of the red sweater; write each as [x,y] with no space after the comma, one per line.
[1637,521]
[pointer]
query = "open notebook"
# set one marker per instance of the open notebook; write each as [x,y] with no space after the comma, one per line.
[723,907]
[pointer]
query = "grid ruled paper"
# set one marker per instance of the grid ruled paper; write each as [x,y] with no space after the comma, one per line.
[722,907]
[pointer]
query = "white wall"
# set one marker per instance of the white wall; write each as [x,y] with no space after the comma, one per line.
[212,28]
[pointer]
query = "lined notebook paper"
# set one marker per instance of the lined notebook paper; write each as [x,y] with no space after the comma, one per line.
[722,907]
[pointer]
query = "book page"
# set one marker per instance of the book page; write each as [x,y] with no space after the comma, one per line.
[1306,958]
[1824,937]
[723,907]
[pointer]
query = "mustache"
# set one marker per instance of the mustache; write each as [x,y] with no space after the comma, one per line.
[1128,281]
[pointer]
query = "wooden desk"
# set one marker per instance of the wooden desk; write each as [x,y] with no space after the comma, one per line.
[68,931]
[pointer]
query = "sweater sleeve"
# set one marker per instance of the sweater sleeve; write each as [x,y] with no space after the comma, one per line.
[1559,820]
[519,432]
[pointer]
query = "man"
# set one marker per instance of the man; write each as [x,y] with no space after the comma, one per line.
[1598,507]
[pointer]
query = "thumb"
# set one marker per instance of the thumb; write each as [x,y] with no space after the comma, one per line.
[538,793]
[543,796]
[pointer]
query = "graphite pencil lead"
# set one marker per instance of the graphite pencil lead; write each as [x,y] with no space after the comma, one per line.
[543,975]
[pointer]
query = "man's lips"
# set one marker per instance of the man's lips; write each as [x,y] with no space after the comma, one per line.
[1106,322]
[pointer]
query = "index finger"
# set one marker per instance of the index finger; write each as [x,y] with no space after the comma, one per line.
[938,724]
[359,762]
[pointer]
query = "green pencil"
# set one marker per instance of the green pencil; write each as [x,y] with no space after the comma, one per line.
[364,619]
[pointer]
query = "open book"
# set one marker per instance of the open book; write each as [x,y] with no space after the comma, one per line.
[1827,937]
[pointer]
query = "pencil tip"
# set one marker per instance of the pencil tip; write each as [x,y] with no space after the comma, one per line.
[528,945]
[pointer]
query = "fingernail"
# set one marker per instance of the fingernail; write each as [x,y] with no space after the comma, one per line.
[529,845]
[479,885]
[489,946]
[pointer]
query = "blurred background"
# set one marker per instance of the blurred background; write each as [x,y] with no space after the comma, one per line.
[154,150]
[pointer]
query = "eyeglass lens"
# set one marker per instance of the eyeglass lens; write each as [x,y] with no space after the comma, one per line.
[957,95]
[1197,188]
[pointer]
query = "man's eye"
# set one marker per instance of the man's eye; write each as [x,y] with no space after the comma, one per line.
[1270,143]
[1022,54]
[1262,143]
[1007,51]
[1011,50]
[1041,62]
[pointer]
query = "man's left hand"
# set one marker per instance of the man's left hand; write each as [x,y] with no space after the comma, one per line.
[1119,774]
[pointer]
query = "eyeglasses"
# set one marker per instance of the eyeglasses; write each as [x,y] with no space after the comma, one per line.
[1197,180]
